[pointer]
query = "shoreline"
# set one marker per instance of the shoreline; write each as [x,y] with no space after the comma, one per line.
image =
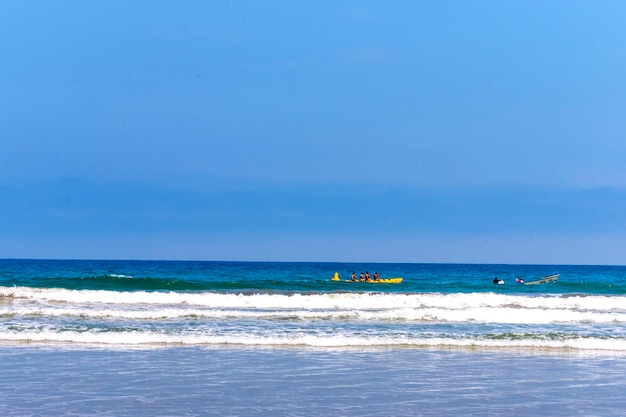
[562,352]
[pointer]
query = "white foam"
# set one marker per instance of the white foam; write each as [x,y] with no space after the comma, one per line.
[479,315]
[137,338]
[475,307]
[325,300]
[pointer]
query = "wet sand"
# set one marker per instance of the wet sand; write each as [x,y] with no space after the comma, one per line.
[232,381]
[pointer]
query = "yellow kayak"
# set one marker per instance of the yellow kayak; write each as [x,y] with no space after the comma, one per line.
[380,281]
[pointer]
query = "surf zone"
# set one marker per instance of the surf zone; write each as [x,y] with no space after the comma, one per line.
[338,319]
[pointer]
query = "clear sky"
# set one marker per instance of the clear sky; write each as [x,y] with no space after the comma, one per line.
[405,131]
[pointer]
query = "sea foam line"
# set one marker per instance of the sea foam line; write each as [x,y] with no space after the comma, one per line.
[139,338]
[304,301]
[477,315]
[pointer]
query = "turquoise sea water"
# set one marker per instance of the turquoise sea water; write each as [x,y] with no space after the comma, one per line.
[263,338]
[139,303]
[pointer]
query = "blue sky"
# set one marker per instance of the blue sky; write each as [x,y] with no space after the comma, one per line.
[433,131]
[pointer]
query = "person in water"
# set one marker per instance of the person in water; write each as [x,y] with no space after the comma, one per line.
[496,280]
[519,280]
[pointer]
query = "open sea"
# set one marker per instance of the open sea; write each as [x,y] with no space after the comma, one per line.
[169,338]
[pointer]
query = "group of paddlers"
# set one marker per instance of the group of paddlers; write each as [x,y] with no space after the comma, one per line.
[365,277]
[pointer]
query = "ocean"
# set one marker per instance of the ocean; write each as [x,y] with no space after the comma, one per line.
[81,337]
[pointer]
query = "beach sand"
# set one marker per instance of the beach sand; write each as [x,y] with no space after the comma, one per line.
[234,381]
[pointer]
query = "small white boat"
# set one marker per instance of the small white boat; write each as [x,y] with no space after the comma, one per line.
[545,280]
